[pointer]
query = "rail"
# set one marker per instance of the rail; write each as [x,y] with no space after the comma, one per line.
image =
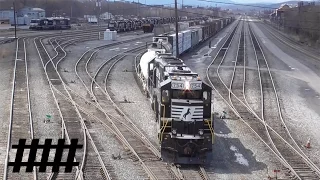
[43,52]
[281,159]
[20,77]
[287,132]
[115,58]
[226,44]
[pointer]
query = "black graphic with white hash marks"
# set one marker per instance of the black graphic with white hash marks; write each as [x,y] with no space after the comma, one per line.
[47,146]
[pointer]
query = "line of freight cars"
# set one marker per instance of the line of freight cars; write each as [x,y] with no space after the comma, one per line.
[146,24]
[191,37]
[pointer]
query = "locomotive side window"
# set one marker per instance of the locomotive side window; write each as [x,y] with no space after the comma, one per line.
[165,96]
[205,95]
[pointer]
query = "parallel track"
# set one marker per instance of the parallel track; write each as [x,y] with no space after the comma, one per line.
[67,113]
[238,104]
[125,130]
[21,125]
[143,150]
[78,97]
[272,115]
[74,94]
[91,166]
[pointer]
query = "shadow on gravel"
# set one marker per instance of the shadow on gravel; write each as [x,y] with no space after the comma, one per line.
[230,156]
[220,126]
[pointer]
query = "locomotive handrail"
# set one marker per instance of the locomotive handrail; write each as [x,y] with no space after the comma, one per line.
[211,129]
[164,110]
[162,130]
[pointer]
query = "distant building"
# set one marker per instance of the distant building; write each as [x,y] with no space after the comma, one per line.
[278,15]
[32,13]
[5,16]
[23,15]
[106,16]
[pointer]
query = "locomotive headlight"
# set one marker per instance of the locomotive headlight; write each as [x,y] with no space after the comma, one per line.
[200,132]
[187,85]
[174,131]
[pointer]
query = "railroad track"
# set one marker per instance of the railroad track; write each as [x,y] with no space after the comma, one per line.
[237,102]
[194,173]
[20,125]
[300,163]
[91,165]
[198,172]
[142,150]
[74,94]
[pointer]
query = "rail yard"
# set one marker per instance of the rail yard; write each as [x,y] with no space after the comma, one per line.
[240,103]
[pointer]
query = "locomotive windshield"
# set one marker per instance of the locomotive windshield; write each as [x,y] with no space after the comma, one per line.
[182,94]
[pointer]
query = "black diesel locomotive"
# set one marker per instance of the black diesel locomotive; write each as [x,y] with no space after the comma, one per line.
[53,23]
[182,104]
[179,98]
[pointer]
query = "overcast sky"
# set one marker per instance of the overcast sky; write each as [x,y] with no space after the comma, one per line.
[199,2]
[259,1]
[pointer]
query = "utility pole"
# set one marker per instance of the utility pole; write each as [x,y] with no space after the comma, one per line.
[138,9]
[182,7]
[71,8]
[109,14]
[15,21]
[98,5]
[177,30]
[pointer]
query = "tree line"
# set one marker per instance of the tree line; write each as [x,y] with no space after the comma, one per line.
[74,8]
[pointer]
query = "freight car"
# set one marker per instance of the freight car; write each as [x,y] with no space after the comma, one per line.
[179,98]
[191,37]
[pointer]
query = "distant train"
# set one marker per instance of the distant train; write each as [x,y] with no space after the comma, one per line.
[147,24]
[181,101]
[52,23]
[192,35]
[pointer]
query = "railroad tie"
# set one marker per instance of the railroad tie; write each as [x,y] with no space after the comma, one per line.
[103,174]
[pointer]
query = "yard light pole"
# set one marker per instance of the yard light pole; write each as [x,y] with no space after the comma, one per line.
[177,38]
[15,21]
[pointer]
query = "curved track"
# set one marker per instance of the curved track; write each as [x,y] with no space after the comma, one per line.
[156,166]
[142,150]
[72,117]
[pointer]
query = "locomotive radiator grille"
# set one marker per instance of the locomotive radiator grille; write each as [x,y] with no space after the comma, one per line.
[187,110]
